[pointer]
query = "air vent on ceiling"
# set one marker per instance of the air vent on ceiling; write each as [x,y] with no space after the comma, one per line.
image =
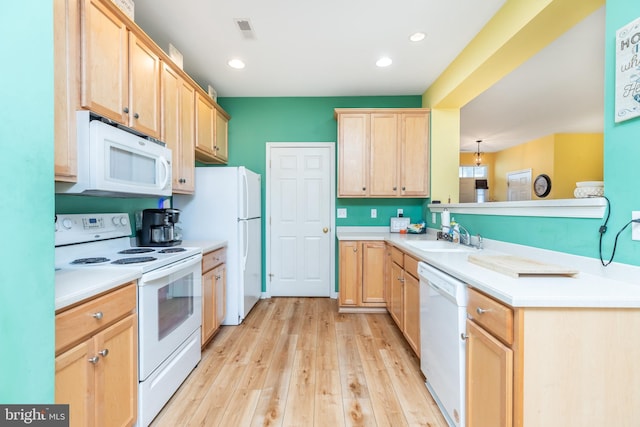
[245,27]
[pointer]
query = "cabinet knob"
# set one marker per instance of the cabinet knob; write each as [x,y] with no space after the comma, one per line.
[403,188]
[218,277]
[364,188]
[94,359]
[395,188]
[98,315]
[481,310]
[126,110]
[104,352]
[355,249]
[464,336]
[325,230]
[136,116]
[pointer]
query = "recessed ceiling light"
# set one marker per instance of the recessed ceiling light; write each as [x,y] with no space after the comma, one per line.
[416,37]
[385,61]
[236,63]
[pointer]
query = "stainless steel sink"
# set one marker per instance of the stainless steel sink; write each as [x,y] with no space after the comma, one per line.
[439,246]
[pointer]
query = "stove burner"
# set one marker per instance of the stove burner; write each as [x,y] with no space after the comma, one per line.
[134,260]
[94,260]
[136,251]
[172,250]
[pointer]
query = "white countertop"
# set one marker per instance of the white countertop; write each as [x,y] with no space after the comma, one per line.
[75,285]
[594,286]
[206,245]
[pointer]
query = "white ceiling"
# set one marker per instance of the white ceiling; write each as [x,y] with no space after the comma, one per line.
[329,48]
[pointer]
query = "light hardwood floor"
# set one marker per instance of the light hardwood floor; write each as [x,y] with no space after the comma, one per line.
[298,362]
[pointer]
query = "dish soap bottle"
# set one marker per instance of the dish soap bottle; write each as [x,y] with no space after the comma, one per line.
[454,231]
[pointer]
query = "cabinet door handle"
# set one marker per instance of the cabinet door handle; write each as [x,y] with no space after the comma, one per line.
[98,315]
[94,359]
[482,310]
[104,353]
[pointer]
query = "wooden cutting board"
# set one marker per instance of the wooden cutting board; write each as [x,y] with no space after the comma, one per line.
[517,267]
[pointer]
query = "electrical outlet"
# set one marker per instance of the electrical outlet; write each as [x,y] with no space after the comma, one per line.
[400,212]
[374,213]
[342,212]
[635,226]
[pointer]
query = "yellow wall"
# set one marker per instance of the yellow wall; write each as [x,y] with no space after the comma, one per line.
[566,158]
[578,157]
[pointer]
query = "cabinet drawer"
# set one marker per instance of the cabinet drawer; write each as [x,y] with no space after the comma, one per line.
[411,265]
[85,319]
[492,315]
[397,256]
[213,258]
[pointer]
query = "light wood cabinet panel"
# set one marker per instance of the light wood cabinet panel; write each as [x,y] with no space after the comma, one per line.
[66,69]
[205,125]
[105,66]
[373,254]
[489,380]
[414,154]
[383,152]
[97,374]
[117,374]
[222,135]
[383,171]
[411,312]
[353,168]
[144,84]
[350,277]
[214,279]
[178,126]
[361,277]
[75,383]
[397,294]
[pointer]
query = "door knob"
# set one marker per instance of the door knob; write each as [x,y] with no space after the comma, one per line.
[325,230]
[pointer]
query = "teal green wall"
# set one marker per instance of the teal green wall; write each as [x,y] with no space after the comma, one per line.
[26,173]
[621,176]
[256,121]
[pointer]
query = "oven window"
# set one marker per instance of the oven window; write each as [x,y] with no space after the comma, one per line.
[175,305]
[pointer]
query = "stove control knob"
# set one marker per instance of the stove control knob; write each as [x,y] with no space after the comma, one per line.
[67,223]
[119,220]
[124,220]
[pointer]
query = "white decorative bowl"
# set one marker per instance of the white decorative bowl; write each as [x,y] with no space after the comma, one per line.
[582,192]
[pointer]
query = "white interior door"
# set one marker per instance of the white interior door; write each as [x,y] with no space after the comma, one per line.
[300,222]
[519,185]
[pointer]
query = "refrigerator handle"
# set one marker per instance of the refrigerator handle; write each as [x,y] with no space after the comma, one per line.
[245,243]
[245,195]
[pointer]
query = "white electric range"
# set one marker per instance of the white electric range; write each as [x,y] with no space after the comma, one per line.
[95,253]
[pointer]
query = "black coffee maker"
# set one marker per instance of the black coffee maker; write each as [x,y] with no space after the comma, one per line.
[158,227]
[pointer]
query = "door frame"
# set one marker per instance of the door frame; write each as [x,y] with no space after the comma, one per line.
[332,209]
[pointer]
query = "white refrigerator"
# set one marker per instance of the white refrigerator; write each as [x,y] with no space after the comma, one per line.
[226,206]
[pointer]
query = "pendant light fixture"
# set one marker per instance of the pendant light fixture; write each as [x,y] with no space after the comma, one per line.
[478,154]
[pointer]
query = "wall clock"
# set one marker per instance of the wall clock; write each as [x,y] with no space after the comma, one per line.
[542,185]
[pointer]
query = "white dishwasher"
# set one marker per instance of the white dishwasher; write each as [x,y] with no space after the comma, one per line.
[443,302]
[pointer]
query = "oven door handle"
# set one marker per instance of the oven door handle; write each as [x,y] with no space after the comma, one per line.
[171,268]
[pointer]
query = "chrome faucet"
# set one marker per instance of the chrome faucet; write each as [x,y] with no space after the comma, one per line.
[465,237]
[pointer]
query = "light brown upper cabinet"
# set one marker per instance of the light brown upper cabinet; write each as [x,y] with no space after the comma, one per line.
[211,137]
[178,127]
[66,33]
[383,152]
[120,71]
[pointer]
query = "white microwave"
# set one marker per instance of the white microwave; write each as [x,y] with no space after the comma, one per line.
[116,162]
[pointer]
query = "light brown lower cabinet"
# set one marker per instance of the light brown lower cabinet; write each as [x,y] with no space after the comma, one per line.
[97,360]
[551,367]
[404,302]
[361,277]
[214,280]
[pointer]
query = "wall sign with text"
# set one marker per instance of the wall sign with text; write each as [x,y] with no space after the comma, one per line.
[628,71]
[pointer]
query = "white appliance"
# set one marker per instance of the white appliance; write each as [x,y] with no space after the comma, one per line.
[443,302]
[115,161]
[226,206]
[168,302]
